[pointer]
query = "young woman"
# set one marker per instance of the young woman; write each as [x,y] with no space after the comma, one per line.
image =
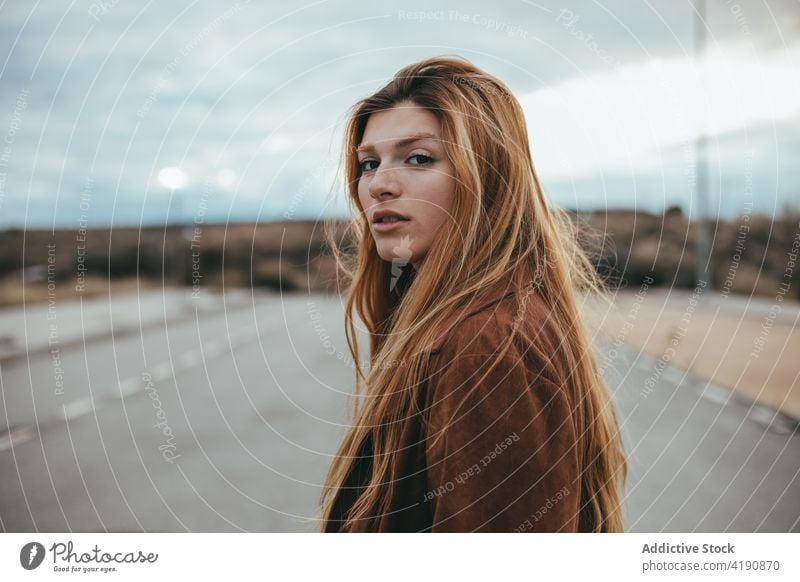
[484,408]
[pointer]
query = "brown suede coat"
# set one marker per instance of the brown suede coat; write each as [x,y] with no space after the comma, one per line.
[508,462]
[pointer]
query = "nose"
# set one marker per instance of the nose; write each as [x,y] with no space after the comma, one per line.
[384,183]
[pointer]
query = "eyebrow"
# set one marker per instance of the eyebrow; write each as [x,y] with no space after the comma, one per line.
[400,142]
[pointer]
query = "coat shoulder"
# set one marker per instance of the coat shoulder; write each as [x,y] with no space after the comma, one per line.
[538,344]
[504,431]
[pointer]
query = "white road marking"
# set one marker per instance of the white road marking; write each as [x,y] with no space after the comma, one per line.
[214,348]
[126,387]
[716,394]
[772,419]
[78,408]
[16,436]
[189,359]
[674,375]
[129,386]
[161,371]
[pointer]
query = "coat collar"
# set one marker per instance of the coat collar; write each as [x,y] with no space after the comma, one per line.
[481,302]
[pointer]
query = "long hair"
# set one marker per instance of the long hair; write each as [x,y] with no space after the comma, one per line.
[502,232]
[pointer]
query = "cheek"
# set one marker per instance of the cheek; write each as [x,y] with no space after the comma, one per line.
[442,196]
[439,218]
[434,218]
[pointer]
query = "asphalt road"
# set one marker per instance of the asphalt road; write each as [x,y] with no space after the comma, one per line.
[227,422]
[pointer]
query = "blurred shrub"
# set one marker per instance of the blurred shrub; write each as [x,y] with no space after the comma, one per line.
[749,254]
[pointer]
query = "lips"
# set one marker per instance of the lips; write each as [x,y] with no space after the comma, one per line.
[384,222]
[387,217]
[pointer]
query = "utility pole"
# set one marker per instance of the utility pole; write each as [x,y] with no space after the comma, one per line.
[702,219]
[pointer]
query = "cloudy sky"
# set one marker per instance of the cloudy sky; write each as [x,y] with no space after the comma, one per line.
[126,113]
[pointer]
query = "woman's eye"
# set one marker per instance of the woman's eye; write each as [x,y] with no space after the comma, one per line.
[421,160]
[424,159]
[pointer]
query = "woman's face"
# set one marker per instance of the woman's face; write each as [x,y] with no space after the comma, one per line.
[404,169]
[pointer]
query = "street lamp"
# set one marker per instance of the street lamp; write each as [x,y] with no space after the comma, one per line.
[175,180]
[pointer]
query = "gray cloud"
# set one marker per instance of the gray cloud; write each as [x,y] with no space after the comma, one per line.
[116,91]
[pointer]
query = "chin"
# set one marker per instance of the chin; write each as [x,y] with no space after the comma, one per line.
[390,255]
[387,254]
